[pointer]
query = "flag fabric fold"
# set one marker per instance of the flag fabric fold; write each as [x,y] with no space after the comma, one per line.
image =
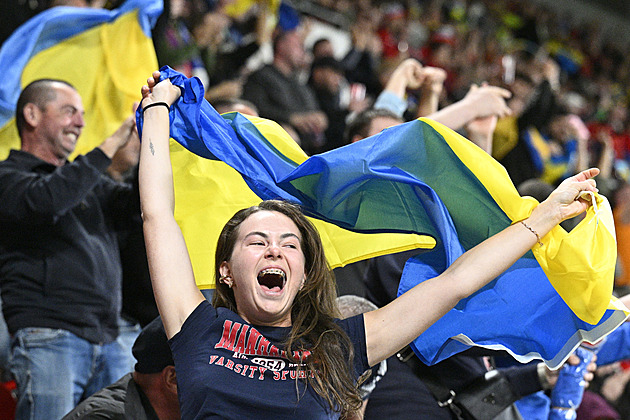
[203,185]
[424,179]
[105,54]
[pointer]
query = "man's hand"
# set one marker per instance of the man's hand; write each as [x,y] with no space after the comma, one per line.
[572,380]
[480,131]
[410,72]
[120,137]
[433,79]
[488,100]
[313,122]
[573,360]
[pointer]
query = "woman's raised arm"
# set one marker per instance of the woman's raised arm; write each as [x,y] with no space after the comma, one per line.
[171,272]
[423,305]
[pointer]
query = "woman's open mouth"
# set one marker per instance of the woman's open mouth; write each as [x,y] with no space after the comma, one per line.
[272,279]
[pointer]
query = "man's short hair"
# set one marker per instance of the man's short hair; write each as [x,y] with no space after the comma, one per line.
[359,125]
[327,62]
[226,104]
[39,92]
[151,349]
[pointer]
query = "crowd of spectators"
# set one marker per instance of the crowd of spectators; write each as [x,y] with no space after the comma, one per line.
[317,67]
[567,80]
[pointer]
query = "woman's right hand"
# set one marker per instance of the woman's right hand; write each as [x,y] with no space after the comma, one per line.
[156,91]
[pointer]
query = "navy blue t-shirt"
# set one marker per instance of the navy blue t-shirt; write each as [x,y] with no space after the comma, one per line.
[227,368]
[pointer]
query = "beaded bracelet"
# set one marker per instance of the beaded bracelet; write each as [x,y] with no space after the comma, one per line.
[533,231]
[156,104]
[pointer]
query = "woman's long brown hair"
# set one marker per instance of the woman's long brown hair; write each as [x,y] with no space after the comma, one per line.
[312,314]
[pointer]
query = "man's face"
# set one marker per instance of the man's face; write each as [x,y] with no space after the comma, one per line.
[292,50]
[324,49]
[327,79]
[61,122]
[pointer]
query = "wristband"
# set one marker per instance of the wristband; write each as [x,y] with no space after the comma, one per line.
[156,104]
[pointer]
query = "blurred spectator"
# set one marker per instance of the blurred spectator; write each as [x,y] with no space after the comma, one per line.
[60,261]
[362,61]
[227,42]
[209,33]
[175,45]
[393,31]
[279,95]
[369,123]
[199,38]
[614,128]
[559,147]
[235,105]
[322,48]
[621,215]
[149,392]
[538,106]
[336,98]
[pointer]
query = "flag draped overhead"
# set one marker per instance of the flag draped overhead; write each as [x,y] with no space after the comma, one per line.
[204,186]
[421,178]
[106,55]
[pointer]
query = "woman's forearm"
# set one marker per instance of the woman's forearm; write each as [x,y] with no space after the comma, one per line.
[155,172]
[427,302]
[172,277]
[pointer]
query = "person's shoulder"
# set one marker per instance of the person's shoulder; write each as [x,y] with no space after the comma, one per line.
[16,155]
[108,403]
[20,161]
[351,323]
[7,164]
[265,73]
[198,320]
[267,68]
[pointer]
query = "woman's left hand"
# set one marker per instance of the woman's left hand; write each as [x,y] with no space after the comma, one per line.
[566,201]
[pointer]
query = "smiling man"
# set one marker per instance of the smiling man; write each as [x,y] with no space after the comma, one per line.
[60,271]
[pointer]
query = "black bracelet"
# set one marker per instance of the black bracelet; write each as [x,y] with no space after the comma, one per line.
[156,104]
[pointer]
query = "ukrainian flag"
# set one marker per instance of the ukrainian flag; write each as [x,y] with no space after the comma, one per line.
[423,179]
[106,55]
[206,187]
